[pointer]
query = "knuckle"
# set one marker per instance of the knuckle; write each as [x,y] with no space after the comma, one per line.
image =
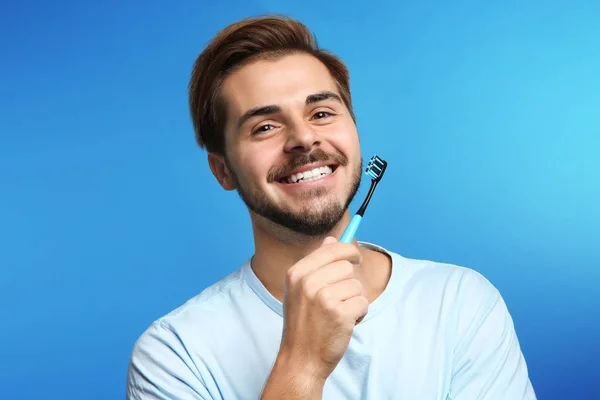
[338,315]
[308,285]
[325,298]
[304,282]
[293,275]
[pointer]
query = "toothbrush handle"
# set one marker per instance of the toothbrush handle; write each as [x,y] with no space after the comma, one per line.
[351,229]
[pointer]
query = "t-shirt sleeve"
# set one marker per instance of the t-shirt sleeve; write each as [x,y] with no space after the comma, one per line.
[488,364]
[160,368]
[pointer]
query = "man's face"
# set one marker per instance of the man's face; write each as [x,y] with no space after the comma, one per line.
[293,151]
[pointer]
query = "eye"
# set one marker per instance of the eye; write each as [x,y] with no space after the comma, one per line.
[263,128]
[321,115]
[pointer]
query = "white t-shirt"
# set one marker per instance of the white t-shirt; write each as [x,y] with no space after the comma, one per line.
[437,332]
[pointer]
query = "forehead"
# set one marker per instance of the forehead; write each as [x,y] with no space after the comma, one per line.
[284,82]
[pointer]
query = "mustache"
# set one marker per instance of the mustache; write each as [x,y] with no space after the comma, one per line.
[299,160]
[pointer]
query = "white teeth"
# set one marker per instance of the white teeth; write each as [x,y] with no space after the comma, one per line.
[311,175]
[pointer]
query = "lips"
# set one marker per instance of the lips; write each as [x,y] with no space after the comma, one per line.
[308,175]
[306,172]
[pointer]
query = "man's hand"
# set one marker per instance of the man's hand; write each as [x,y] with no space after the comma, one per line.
[323,302]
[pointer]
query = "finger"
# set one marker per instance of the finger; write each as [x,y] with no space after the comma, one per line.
[340,291]
[332,273]
[355,307]
[327,254]
[329,240]
[311,283]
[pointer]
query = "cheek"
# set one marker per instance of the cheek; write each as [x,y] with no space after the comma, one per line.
[256,164]
[346,141]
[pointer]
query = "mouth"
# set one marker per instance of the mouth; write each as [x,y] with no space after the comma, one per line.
[308,175]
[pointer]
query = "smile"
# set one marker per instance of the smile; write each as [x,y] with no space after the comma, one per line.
[310,175]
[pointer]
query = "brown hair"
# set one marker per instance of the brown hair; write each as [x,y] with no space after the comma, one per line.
[250,39]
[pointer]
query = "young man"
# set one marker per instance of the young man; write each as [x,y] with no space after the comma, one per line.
[307,317]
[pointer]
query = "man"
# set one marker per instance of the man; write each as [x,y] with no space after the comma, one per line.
[308,317]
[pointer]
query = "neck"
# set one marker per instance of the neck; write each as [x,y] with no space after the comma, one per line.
[276,250]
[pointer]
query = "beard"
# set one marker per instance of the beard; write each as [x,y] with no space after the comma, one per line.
[308,221]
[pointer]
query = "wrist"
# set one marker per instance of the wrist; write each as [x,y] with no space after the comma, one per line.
[305,376]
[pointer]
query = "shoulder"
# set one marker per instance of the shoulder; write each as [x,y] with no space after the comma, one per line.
[456,281]
[441,289]
[467,289]
[487,361]
[468,300]
[164,357]
[192,319]
[451,280]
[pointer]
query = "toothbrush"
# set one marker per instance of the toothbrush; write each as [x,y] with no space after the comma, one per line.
[375,169]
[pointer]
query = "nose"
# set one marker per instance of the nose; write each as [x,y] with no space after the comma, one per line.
[302,137]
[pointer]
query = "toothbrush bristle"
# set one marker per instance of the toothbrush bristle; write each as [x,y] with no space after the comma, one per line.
[372,174]
[376,167]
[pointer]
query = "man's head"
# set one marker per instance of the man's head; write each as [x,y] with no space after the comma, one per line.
[267,103]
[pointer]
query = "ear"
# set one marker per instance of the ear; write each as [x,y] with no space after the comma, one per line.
[221,171]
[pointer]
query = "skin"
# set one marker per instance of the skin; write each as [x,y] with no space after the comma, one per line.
[325,286]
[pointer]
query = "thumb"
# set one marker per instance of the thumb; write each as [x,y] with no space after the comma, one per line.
[329,240]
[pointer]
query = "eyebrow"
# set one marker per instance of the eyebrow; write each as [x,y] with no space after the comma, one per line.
[274,109]
[322,96]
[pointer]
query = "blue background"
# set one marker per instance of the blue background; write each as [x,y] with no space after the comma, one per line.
[489,115]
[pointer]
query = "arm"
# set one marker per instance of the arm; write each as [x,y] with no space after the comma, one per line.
[488,361]
[287,380]
[161,369]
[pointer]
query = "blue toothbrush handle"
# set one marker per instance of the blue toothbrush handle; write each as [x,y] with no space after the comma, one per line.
[351,229]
